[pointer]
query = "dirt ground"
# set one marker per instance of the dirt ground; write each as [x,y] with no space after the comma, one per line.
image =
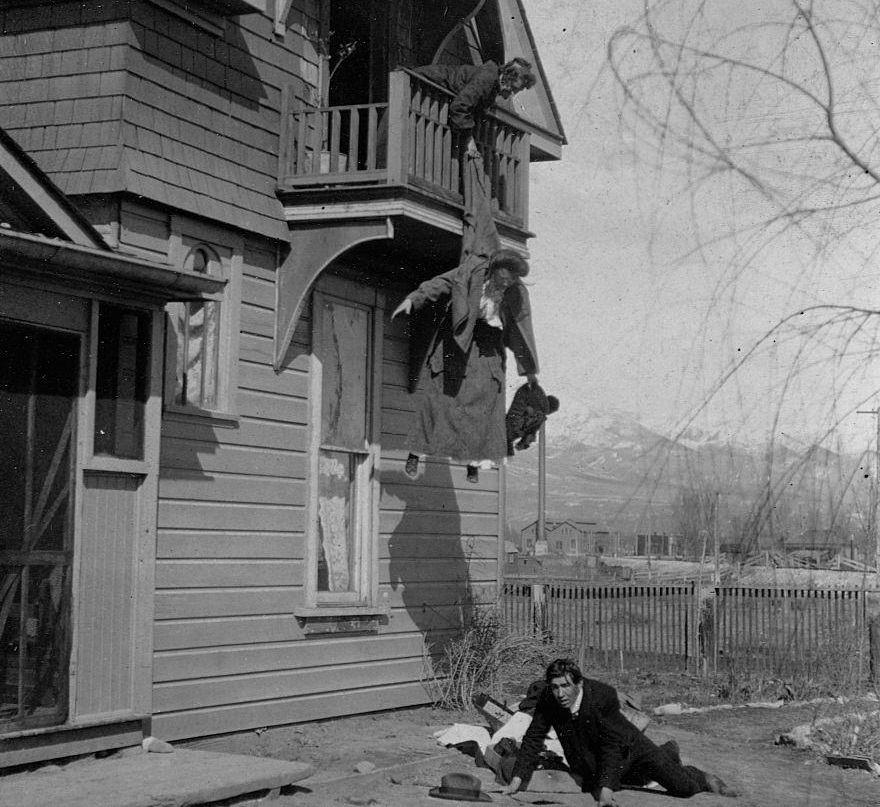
[738,744]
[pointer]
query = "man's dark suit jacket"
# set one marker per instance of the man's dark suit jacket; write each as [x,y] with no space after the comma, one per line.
[474,87]
[598,743]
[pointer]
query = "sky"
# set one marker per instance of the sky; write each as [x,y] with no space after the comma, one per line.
[626,318]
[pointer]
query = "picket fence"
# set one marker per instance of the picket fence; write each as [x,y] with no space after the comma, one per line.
[709,629]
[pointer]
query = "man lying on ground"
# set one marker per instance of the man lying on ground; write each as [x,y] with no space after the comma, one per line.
[601,746]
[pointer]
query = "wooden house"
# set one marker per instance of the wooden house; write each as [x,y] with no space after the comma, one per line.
[238,194]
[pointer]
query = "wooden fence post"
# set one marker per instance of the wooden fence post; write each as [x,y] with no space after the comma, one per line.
[538,619]
[872,620]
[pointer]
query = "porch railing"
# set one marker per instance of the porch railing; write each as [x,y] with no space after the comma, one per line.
[406,141]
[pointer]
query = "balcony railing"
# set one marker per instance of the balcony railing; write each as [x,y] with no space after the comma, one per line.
[406,142]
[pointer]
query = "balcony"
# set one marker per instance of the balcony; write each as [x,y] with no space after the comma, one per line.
[337,160]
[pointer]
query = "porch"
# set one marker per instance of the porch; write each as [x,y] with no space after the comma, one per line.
[403,149]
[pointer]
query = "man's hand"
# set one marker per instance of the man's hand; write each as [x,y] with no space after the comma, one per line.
[404,308]
[606,798]
[532,379]
[472,150]
[515,784]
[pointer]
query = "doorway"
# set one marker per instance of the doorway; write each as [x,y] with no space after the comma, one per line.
[39,377]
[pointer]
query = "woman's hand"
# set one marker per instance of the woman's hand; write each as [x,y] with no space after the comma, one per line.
[532,379]
[472,150]
[515,784]
[404,308]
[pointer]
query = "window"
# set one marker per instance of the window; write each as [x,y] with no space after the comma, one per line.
[343,520]
[202,335]
[574,545]
[121,382]
[198,343]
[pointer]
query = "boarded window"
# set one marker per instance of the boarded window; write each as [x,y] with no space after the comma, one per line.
[343,483]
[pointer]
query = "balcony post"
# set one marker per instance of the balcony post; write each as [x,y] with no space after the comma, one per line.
[523,201]
[398,127]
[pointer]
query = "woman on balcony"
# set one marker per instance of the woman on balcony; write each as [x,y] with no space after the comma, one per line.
[462,377]
[476,87]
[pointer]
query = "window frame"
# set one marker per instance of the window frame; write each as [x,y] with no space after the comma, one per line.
[365,568]
[187,238]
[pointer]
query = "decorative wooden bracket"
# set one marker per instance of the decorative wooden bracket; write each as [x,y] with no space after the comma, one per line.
[313,247]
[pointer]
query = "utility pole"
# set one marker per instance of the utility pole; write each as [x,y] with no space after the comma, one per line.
[717,546]
[875,487]
[540,528]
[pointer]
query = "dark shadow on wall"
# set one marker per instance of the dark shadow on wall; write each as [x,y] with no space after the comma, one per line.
[429,567]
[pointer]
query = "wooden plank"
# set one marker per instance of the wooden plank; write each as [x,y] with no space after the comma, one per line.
[258,293]
[228,545]
[436,546]
[186,724]
[219,515]
[439,523]
[204,693]
[199,486]
[202,573]
[438,570]
[106,609]
[399,496]
[249,431]
[261,378]
[174,604]
[192,454]
[184,634]
[276,408]
[209,662]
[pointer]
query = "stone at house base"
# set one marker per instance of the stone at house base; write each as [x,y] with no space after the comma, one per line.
[138,779]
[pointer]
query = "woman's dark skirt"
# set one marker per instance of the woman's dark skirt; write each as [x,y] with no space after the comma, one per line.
[460,411]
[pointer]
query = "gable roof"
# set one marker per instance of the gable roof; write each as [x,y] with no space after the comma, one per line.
[43,234]
[535,105]
[31,203]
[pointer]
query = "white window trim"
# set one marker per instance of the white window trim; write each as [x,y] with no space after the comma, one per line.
[365,600]
[187,236]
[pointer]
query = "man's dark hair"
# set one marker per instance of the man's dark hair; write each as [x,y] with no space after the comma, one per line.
[563,667]
[520,68]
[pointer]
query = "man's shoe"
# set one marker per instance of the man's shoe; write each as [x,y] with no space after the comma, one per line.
[717,785]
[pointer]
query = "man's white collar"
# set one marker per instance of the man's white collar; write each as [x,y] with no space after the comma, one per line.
[576,706]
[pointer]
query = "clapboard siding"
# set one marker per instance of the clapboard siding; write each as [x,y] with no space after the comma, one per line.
[200,544]
[249,431]
[230,516]
[270,407]
[188,485]
[202,573]
[213,633]
[333,703]
[208,663]
[204,692]
[195,603]
[189,454]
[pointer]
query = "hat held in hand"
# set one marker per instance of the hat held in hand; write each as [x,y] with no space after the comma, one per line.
[459,787]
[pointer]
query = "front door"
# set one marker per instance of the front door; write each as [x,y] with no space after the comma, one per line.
[39,376]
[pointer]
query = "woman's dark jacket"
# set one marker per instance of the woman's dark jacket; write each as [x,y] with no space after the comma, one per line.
[462,288]
[475,88]
[598,743]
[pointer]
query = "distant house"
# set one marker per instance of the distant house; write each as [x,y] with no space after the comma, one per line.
[658,544]
[203,399]
[563,537]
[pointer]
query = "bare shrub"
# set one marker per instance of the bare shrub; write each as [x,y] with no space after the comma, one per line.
[488,657]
